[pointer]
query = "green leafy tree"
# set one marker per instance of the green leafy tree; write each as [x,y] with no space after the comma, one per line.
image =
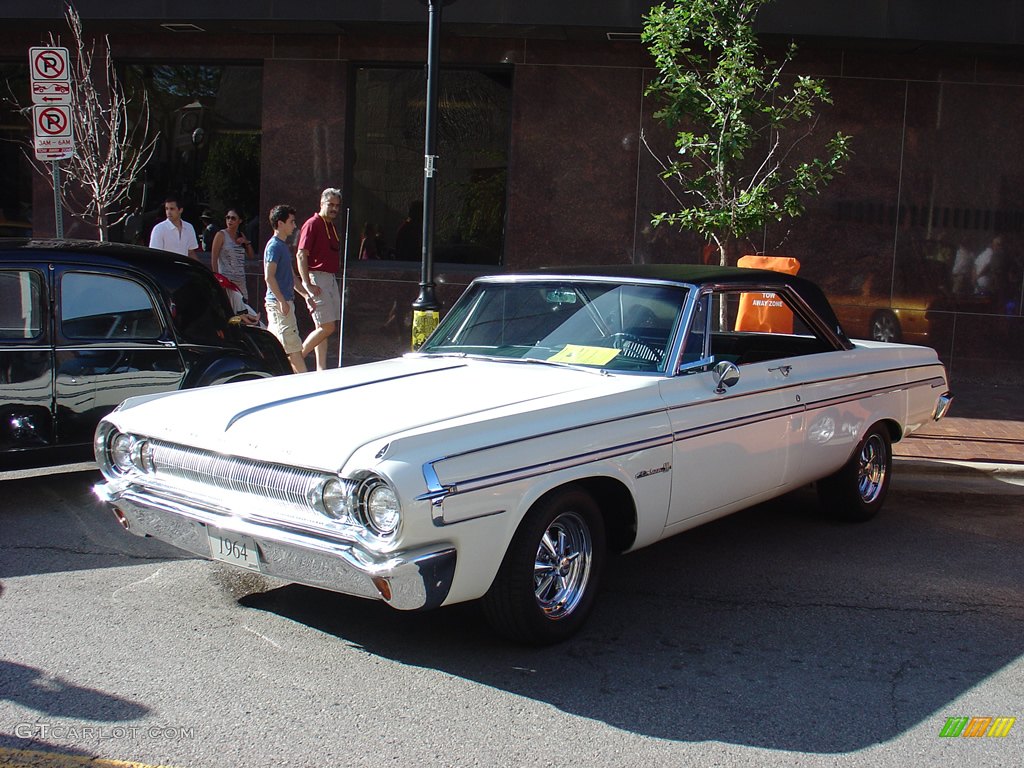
[743,128]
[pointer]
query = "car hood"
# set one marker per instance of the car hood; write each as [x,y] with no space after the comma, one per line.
[318,420]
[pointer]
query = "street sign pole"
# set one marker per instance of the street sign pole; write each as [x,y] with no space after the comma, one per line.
[52,129]
[58,209]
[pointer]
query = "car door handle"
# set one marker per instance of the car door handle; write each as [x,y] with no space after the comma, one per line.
[783,369]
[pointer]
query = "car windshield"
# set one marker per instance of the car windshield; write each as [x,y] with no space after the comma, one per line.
[606,325]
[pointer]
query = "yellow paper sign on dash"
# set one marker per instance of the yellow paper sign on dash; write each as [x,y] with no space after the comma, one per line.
[580,355]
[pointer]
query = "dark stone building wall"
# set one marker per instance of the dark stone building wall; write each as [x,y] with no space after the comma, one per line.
[937,167]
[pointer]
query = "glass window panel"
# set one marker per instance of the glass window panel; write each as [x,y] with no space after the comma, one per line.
[21,304]
[472,167]
[15,171]
[103,306]
[209,119]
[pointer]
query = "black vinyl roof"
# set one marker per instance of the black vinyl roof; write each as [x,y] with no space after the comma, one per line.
[678,273]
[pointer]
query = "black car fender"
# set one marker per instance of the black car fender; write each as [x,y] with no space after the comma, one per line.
[220,367]
[263,344]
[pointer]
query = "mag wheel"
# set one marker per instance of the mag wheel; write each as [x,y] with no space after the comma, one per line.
[857,491]
[548,580]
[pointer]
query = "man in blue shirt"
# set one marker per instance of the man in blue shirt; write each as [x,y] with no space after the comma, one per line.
[281,288]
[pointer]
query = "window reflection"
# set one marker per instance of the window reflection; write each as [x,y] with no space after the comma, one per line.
[21,306]
[209,119]
[387,188]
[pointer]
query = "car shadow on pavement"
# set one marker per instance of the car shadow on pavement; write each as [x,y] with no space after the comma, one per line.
[771,628]
[54,696]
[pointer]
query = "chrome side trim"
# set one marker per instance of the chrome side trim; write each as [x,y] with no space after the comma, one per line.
[437,491]
[932,382]
[8,347]
[437,515]
[738,422]
[818,404]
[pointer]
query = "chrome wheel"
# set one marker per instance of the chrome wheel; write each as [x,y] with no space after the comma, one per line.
[561,568]
[857,491]
[548,579]
[872,467]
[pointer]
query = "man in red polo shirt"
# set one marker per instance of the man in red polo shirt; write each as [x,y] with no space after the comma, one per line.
[318,261]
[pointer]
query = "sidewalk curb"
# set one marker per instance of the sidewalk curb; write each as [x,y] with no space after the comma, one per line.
[958,466]
[951,476]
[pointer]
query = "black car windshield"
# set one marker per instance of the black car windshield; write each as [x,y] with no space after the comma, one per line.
[607,325]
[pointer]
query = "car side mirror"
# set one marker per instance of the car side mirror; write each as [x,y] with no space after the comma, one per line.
[726,375]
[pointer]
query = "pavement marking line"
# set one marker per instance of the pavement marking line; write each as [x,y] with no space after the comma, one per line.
[28,758]
[46,471]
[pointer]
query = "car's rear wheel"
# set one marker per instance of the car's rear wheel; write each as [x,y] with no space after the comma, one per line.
[857,491]
[885,327]
[547,583]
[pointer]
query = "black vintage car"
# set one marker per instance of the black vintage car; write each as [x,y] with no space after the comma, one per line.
[83,325]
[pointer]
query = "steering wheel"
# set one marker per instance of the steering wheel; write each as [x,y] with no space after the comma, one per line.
[620,339]
[632,346]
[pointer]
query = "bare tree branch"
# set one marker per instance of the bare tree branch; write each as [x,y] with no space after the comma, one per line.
[111,150]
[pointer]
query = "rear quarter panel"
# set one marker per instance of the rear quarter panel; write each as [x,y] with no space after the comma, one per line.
[846,393]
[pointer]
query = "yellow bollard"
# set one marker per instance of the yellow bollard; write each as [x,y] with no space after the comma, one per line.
[424,321]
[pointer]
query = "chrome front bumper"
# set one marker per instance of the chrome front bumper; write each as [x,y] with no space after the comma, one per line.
[406,580]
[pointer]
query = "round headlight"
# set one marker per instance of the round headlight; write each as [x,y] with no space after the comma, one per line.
[382,509]
[144,456]
[121,453]
[335,498]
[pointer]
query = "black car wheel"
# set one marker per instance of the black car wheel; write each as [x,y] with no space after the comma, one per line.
[857,491]
[548,580]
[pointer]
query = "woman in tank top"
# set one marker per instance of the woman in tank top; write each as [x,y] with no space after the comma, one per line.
[230,250]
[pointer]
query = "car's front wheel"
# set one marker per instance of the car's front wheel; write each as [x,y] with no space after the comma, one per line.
[548,580]
[857,491]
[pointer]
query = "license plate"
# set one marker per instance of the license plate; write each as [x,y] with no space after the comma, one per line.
[233,548]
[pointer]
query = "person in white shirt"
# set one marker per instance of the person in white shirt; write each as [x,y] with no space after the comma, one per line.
[173,234]
[987,266]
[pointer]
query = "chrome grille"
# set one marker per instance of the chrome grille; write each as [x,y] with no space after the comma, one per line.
[272,481]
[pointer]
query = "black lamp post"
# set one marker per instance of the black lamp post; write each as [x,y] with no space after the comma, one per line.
[425,309]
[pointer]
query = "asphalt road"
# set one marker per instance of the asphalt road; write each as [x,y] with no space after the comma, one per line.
[768,638]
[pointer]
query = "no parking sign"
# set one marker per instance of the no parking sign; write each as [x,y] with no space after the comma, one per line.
[53,132]
[51,94]
[54,138]
[50,73]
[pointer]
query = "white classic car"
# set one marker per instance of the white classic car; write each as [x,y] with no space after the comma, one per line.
[551,419]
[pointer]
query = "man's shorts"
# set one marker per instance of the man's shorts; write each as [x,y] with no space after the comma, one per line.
[327,307]
[284,327]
